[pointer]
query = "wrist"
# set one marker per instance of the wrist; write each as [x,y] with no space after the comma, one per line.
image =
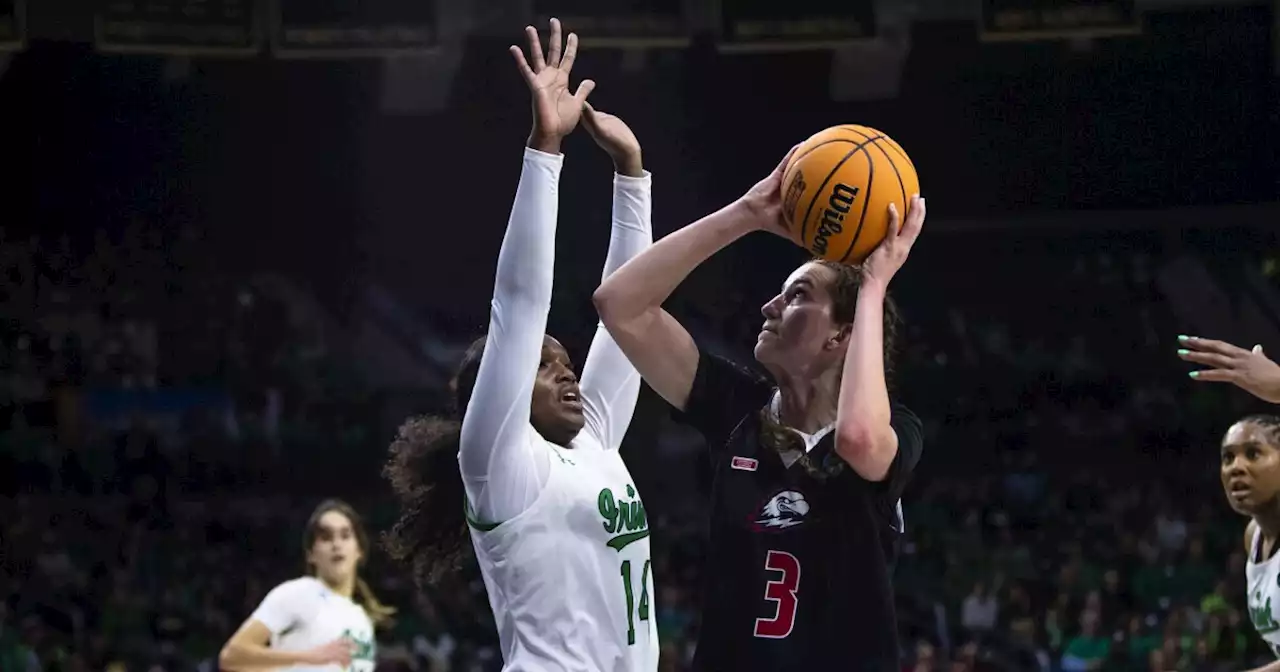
[544,142]
[872,289]
[629,165]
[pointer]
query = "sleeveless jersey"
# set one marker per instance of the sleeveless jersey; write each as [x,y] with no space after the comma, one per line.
[1263,595]
[569,579]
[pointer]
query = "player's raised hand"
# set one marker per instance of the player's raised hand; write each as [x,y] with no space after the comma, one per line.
[764,200]
[1249,370]
[338,652]
[892,253]
[616,139]
[556,109]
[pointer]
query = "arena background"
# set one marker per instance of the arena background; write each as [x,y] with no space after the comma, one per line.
[238,250]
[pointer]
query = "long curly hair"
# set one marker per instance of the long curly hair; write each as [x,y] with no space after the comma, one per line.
[422,468]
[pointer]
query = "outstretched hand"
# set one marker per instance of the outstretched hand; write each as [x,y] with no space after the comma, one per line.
[892,252]
[616,139]
[1249,370]
[556,110]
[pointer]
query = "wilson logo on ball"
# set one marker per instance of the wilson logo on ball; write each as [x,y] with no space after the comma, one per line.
[841,201]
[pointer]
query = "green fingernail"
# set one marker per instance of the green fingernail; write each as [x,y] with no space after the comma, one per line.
[1183,352]
[1184,338]
[1194,374]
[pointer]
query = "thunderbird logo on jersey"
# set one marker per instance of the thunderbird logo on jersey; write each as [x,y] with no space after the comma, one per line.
[785,509]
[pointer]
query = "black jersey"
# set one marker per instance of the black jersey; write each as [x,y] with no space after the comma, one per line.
[798,568]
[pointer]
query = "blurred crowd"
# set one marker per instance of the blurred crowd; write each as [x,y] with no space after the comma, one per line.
[165,428]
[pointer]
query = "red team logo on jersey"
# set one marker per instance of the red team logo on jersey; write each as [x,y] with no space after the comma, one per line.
[743,463]
[785,509]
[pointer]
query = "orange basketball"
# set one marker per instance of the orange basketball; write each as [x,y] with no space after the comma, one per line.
[837,189]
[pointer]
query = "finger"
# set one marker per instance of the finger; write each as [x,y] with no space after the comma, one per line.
[1210,345]
[521,63]
[535,49]
[1207,358]
[1215,376]
[584,89]
[895,223]
[553,45]
[570,53]
[915,218]
[782,165]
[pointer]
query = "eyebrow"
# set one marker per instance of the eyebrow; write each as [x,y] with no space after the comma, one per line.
[799,282]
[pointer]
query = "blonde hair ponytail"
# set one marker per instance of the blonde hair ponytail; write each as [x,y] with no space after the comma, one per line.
[379,613]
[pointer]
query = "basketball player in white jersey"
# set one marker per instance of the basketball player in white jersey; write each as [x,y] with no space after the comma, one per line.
[314,622]
[556,523]
[1251,479]
[1250,370]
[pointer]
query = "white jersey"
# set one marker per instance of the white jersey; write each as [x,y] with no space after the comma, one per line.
[560,533]
[1263,595]
[304,613]
[570,580]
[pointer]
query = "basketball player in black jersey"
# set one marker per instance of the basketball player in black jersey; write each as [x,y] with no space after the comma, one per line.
[809,467]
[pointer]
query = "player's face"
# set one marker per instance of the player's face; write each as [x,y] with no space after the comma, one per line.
[1250,467]
[336,552]
[557,402]
[798,337]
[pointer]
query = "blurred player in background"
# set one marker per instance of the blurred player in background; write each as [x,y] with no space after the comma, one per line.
[1250,370]
[315,621]
[809,466]
[1251,479]
[556,523]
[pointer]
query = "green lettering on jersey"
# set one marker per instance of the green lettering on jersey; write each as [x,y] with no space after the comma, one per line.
[365,646]
[1261,615]
[622,517]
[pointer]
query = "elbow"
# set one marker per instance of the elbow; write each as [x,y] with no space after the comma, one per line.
[869,451]
[607,305]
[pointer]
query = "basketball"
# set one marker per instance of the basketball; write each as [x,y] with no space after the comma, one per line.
[837,188]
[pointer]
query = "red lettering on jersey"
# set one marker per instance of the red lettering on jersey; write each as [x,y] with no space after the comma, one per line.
[743,463]
[782,592]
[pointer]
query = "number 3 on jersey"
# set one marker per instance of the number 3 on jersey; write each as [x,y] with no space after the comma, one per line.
[782,592]
[643,610]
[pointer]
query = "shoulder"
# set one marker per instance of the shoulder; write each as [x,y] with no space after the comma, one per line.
[301,588]
[724,390]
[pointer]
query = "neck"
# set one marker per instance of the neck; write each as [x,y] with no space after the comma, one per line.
[344,587]
[808,403]
[1269,521]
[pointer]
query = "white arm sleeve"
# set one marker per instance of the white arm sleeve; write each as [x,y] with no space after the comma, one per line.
[502,468]
[282,608]
[610,384]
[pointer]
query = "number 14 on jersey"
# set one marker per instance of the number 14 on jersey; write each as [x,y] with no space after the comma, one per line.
[642,611]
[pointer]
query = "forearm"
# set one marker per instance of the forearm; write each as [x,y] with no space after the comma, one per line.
[1273,666]
[239,656]
[864,436]
[645,282]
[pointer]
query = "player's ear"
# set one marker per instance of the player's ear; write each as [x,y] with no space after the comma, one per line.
[841,337]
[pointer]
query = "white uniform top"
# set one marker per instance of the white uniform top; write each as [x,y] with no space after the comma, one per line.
[567,564]
[303,614]
[1263,595]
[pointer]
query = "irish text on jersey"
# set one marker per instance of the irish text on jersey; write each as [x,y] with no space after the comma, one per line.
[623,518]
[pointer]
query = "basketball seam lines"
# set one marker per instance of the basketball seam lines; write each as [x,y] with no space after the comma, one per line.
[817,192]
[871,176]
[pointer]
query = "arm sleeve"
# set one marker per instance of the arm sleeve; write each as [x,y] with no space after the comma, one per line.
[723,393]
[610,384]
[282,608]
[502,466]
